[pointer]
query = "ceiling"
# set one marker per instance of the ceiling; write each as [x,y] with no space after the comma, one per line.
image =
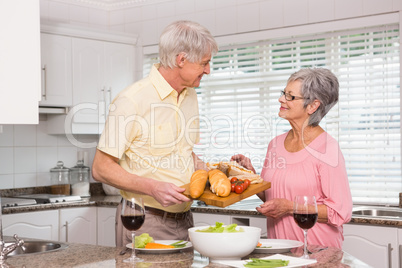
[112,4]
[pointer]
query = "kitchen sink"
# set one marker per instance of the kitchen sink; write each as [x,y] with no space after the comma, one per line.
[377,212]
[32,247]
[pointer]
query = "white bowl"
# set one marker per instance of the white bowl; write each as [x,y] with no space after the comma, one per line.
[225,246]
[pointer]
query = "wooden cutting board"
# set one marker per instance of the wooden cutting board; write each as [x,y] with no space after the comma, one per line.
[212,199]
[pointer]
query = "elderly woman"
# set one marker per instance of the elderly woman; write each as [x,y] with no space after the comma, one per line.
[306,161]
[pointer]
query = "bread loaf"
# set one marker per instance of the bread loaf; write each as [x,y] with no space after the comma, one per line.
[220,184]
[198,182]
[233,169]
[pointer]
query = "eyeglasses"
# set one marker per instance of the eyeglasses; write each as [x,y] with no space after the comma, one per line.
[289,97]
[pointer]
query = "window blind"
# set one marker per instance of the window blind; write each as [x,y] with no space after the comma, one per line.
[239,105]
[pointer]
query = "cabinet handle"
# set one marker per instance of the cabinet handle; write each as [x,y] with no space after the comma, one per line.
[389,255]
[109,101]
[44,91]
[66,225]
[103,107]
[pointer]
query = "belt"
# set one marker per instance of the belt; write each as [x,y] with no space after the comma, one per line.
[165,214]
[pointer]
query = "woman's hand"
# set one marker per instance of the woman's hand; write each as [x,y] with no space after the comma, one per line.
[243,161]
[276,208]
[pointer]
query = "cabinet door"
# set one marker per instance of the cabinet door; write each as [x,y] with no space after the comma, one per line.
[399,249]
[202,219]
[78,225]
[20,75]
[374,245]
[119,72]
[106,226]
[56,55]
[38,225]
[88,82]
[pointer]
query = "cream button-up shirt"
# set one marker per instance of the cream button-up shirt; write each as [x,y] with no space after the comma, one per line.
[152,131]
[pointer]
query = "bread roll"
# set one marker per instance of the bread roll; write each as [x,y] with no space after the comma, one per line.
[198,182]
[220,184]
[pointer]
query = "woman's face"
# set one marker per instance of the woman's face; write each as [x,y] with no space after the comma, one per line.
[293,110]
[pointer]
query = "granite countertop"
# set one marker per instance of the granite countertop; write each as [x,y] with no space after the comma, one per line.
[245,207]
[81,255]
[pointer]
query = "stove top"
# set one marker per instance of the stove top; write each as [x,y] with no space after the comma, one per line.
[16,202]
[51,198]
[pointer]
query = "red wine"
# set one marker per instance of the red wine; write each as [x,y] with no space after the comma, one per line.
[305,221]
[132,222]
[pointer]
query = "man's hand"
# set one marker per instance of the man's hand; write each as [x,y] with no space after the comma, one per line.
[168,194]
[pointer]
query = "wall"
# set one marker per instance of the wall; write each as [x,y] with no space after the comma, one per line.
[221,17]
[27,152]
[228,17]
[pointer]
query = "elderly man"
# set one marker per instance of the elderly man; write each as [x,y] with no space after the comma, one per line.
[146,148]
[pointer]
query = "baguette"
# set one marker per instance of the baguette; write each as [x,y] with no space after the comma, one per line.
[220,184]
[198,182]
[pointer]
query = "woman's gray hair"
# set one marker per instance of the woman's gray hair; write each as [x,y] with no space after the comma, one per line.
[317,84]
[187,37]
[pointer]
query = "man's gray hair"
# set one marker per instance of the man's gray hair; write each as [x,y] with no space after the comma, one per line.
[187,37]
[317,84]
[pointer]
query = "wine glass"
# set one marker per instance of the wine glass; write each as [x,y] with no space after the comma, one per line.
[305,214]
[132,217]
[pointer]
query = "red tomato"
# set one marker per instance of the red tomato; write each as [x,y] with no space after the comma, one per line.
[239,188]
[246,183]
[233,187]
[233,180]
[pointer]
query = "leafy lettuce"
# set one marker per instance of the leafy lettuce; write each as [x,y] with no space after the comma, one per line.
[142,240]
[219,228]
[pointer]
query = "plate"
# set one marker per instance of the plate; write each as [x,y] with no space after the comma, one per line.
[161,250]
[293,261]
[277,245]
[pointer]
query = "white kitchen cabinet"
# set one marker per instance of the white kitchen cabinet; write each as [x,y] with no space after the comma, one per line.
[106,226]
[20,75]
[399,248]
[374,245]
[100,70]
[78,225]
[56,58]
[38,225]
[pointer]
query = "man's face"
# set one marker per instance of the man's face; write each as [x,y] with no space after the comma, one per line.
[191,72]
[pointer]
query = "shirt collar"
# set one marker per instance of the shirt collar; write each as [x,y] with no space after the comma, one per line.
[161,85]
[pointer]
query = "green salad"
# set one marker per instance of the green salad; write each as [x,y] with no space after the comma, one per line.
[219,228]
[142,240]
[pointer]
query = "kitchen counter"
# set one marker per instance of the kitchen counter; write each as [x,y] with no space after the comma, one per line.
[245,207]
[80,255]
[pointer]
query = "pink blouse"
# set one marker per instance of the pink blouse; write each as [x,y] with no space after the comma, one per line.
[319,170]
